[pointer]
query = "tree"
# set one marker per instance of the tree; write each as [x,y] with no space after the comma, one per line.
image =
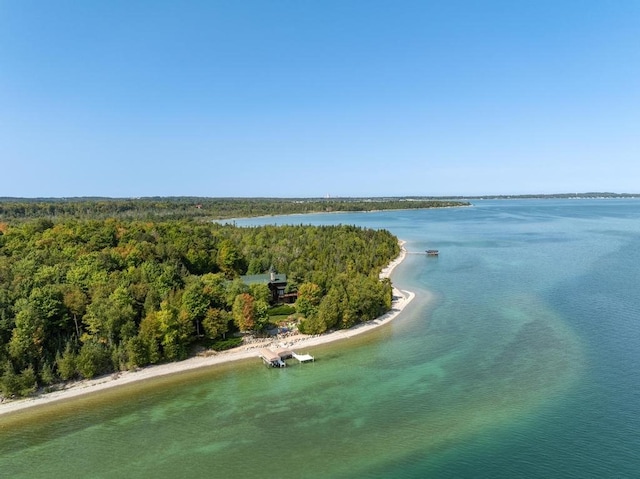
[387,293]
[309,297]
[9,381]
[150,335]
[233,289]
[23,384]
[260,292]
[229,259]
[261,309]
[216,322]
[331,308]
[199,260]
[47,374]
[195,302]
[28,381]
[93,359]
[244,312]
[176,329]
[28,336]
[312,325]
[6,314]
[75,300]
[66,363]
[107,318]
[366,297]
[137,353]
[214,289]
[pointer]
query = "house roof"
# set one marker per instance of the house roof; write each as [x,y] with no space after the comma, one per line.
[263,278]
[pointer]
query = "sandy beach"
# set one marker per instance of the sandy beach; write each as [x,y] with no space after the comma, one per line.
[211,358]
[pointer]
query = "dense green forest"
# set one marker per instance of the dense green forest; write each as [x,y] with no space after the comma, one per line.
[194,207]
[79,298]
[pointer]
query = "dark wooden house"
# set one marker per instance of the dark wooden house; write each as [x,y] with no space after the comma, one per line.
[277,284]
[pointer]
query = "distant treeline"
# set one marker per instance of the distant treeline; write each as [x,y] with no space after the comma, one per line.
[80,298]
[194,207]
[550,196]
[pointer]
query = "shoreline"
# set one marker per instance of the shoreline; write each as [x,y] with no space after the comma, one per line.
[401,298]
[276,215]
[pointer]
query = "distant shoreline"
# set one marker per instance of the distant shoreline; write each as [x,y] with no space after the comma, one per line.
[79,388]
[336,212]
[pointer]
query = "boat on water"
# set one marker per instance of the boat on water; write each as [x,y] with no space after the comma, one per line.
[432,252]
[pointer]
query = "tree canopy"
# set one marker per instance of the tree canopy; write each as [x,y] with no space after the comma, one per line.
[12,209]
[83,297]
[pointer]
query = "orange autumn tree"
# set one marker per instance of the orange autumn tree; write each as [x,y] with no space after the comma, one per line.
[244,312]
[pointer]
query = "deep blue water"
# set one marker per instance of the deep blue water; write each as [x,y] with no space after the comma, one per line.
[524,363]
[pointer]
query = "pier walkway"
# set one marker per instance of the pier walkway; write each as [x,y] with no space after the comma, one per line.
[275,359]
[303,358]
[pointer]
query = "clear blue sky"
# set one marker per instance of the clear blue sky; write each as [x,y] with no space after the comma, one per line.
[307,98]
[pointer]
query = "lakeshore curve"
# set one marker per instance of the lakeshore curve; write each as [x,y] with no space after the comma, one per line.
[401,298]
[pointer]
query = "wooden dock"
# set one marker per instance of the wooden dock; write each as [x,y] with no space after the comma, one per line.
[275,359]
[271,358]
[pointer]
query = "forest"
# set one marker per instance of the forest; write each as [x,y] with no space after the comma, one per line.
[84,297]
[202,208]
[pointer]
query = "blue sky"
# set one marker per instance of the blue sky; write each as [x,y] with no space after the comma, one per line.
[301,98]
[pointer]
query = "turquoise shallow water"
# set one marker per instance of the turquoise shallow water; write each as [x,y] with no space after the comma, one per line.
[524,364]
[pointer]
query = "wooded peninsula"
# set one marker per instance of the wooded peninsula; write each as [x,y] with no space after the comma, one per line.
[202,208]
[82,296]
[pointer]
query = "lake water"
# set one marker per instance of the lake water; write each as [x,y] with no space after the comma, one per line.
[525,363]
